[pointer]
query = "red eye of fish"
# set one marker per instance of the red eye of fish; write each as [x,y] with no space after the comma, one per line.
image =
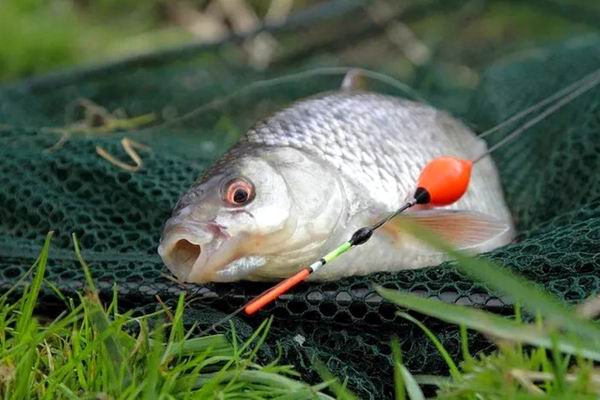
[239,192]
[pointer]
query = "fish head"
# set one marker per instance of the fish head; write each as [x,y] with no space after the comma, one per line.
[254,215]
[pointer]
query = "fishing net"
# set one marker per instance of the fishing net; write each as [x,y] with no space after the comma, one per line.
[550,175]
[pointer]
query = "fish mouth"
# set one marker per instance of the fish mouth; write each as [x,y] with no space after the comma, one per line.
[196,254]
[182,247]
[183,256]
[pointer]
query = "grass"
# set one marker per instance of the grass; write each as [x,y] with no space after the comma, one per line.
[92,351]
[39,36]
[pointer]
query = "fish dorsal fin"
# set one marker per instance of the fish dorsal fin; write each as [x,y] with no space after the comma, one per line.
[464,229]
[354,79]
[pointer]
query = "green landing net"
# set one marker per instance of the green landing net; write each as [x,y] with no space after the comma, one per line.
[550,177]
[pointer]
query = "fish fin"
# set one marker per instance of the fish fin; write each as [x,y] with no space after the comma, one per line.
[354,79]
[464,229]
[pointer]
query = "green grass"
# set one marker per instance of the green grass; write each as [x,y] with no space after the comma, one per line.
[39,36]
[92,351]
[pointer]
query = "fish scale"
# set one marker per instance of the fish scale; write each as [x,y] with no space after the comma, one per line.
[395,138]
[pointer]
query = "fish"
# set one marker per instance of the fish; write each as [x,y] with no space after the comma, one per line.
[302,180]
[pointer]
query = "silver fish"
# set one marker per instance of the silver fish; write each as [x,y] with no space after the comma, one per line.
[302,181]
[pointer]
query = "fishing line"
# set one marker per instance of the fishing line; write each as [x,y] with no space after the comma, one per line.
[289,78]
[374,75]
[442,181]
[590,77]
[550,110]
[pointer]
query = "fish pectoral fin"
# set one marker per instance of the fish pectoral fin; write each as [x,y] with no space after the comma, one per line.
[464,229]
[354,79]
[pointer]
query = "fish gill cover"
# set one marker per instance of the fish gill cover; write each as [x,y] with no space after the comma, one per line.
[550,175]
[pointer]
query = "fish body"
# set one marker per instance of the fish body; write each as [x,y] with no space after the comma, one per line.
[311,174]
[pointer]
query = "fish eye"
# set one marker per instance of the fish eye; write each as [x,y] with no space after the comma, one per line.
[238,192]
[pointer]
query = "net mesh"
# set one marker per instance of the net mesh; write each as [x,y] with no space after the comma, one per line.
[550,175]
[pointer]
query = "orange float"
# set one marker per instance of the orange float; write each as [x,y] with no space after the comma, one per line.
[445,180]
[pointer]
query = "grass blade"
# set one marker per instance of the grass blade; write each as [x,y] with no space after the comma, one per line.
[153,366]
[490,324]
[433,380]
[340,390]
[438,345]
[412,387]
[464,344]
[33,291]
[217,344]
[399,385]
[521,291]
